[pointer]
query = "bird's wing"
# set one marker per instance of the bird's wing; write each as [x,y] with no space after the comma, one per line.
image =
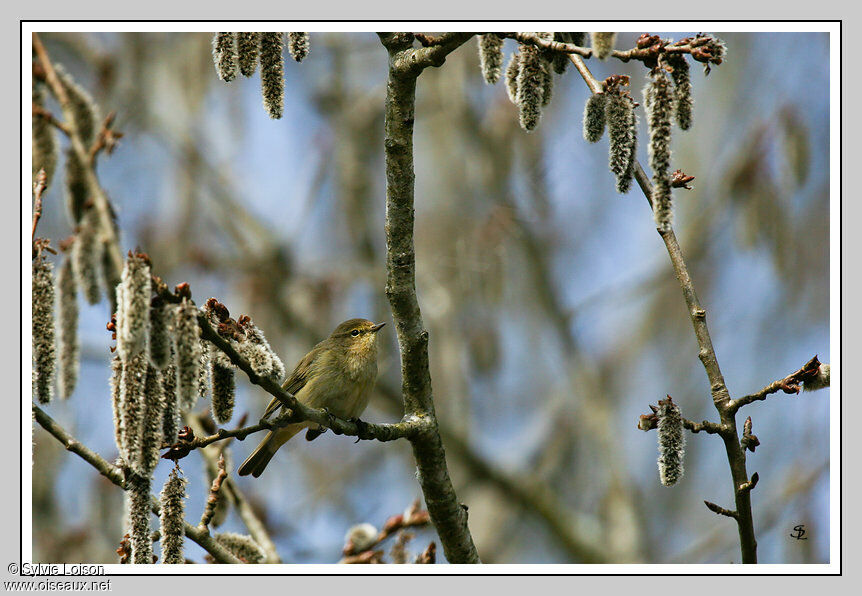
[295,381]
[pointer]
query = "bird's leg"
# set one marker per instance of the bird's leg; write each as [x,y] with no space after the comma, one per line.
[330,420]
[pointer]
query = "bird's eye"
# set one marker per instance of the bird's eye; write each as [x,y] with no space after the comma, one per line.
[355,332]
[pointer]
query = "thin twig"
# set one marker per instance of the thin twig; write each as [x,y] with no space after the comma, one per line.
[789,384]
[38,189]
[214,494]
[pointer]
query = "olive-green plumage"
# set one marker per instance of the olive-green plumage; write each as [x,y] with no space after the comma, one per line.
[337,374]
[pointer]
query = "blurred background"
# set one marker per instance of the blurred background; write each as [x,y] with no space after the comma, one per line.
[554,314]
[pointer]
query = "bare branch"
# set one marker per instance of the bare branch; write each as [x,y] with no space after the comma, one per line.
[789,384]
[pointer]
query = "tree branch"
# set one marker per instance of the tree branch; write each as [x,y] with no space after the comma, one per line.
[789,384]
[720,395]
[115,475]
[405,65]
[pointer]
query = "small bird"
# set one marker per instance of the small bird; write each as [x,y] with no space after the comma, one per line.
[337,374]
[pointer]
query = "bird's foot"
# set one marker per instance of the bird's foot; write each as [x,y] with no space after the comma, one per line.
[361,429]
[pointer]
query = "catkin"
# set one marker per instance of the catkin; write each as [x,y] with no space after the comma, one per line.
[84,109]
[242,546]
[272,73]
[171,519]
[160,333]
[619,112]
[224,56]
[151,422]
[547,85]
[223,385]
[44,150]
[138,507]
[531,87]
[671,443]
[559,60]
[491,57]
[247,44]
[116,400]
[44,349]
[659,107]
[171,413]
[86,254]
[603,44]
[77,186]
[133,317]
[682,90]
[512,70]
[68,342]
[298,45]
[624,182]
[594,117]
[259,353]
[132,407]
[188,353]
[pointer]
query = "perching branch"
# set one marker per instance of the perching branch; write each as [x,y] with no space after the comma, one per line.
[299,412]
[115,475]
[405,65]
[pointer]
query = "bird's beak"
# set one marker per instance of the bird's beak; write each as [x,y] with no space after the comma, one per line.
[377,327]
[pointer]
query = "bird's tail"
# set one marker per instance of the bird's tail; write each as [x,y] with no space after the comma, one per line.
[258,460]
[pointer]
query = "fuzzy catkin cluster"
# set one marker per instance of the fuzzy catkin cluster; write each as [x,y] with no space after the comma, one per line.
[272,73]
[659,107]
[242,546]
[171,520]
[44,138]
[68,342]
[44,349]
[671,443]
[242,52]
[298,45]
[491,57]
[225,56]
[529,82]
